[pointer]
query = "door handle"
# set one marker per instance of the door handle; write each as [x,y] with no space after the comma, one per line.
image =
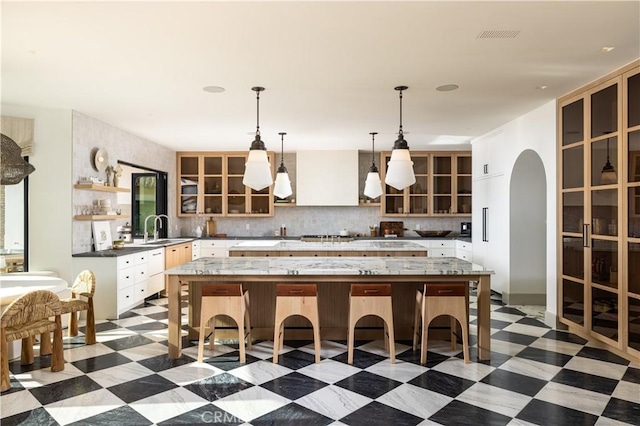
[485,218]
[585,235]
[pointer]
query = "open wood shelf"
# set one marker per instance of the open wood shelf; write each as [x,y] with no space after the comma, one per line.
[95,187]
[100,217]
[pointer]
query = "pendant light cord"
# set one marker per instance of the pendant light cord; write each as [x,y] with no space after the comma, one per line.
[257,112]
[282,149]
[373,148]
[400,131]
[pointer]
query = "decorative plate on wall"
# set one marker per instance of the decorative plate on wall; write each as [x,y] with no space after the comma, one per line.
[100,160]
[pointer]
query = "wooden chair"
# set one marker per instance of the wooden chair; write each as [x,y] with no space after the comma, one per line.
[224,299]
[442,299]
[26,317]
[371,299]
[296,299]
[85,286]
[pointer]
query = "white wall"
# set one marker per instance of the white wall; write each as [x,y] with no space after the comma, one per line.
[527,231]
[50,189]
[14,216]
[535,130]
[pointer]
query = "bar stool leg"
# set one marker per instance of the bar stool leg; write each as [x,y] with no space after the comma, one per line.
[247,320]
[26,357]
[240,321]
[416,319]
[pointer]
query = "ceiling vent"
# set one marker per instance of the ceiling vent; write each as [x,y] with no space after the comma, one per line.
[498,34]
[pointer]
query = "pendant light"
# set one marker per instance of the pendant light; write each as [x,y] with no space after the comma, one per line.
[282,188]
[400,167]
[257,172]
[608,175]
[373,185]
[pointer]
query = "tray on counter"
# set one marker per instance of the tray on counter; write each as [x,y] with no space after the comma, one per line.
[433,234]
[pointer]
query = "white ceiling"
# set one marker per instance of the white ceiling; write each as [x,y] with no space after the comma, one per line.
[329,68]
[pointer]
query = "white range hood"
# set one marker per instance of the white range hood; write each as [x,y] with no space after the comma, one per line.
[327,178]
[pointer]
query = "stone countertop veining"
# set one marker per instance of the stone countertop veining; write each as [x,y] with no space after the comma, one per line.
[329,266]
[356,245]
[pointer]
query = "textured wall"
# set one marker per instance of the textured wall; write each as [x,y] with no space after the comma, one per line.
[90,133]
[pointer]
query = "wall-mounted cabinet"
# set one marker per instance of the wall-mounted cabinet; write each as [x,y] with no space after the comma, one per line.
[442,187]
[599,206]
[210,184]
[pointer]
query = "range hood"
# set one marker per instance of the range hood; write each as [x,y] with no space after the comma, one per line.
[327,178]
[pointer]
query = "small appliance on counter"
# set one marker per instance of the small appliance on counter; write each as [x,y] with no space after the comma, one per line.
[465,229]
[392,229]
[124,233]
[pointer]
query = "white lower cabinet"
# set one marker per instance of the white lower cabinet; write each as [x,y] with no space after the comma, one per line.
[195,249]
[447,248]
[464,251]
[216,248]
[156,271]
[122,282]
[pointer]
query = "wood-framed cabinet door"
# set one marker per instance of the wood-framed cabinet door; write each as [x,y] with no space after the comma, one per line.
[631,209]
[590,211]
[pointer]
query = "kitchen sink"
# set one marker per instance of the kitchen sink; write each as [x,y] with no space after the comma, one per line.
[169,241]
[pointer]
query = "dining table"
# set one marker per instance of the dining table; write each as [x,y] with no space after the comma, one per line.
[264,271]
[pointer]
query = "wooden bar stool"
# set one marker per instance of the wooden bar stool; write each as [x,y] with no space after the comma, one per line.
[371,299]
[442,299]
[224,299]
[296,299]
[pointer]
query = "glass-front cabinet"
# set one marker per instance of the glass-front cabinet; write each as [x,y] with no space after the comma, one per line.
[210,184]
[599,202]
[442,187]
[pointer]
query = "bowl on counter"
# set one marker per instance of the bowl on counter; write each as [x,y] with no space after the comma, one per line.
[118,244]
[432,234]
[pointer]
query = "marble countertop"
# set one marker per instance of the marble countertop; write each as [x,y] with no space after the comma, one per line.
[329,266]
[356,245]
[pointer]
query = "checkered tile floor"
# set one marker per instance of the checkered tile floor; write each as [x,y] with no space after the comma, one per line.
[536,376]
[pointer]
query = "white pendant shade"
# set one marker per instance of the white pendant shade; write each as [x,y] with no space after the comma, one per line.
[282,188]
[257,172]
[373,185]
[400,170]
[608,177]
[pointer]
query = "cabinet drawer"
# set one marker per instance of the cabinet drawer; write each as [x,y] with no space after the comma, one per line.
[140,291]
[141,273]
[463,245]
[126,277]
[442,253]
[156,261]
[140,258]
[449,244]
[125,261]
[214,252]
[464,255]
[125,298]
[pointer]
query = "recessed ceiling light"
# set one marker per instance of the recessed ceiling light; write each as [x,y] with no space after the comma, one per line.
[447,88]
[541,87]
[213,89]
[607,49]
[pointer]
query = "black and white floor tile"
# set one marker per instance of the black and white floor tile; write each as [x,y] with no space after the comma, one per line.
[536,375]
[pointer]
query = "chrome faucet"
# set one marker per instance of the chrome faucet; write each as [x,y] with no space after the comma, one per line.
[146,232]
[157,224]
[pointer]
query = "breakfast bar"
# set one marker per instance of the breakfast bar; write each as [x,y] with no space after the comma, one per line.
[262,272]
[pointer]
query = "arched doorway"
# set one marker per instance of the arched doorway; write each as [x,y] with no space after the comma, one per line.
[528,231]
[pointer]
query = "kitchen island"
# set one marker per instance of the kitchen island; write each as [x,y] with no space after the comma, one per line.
[260,274]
